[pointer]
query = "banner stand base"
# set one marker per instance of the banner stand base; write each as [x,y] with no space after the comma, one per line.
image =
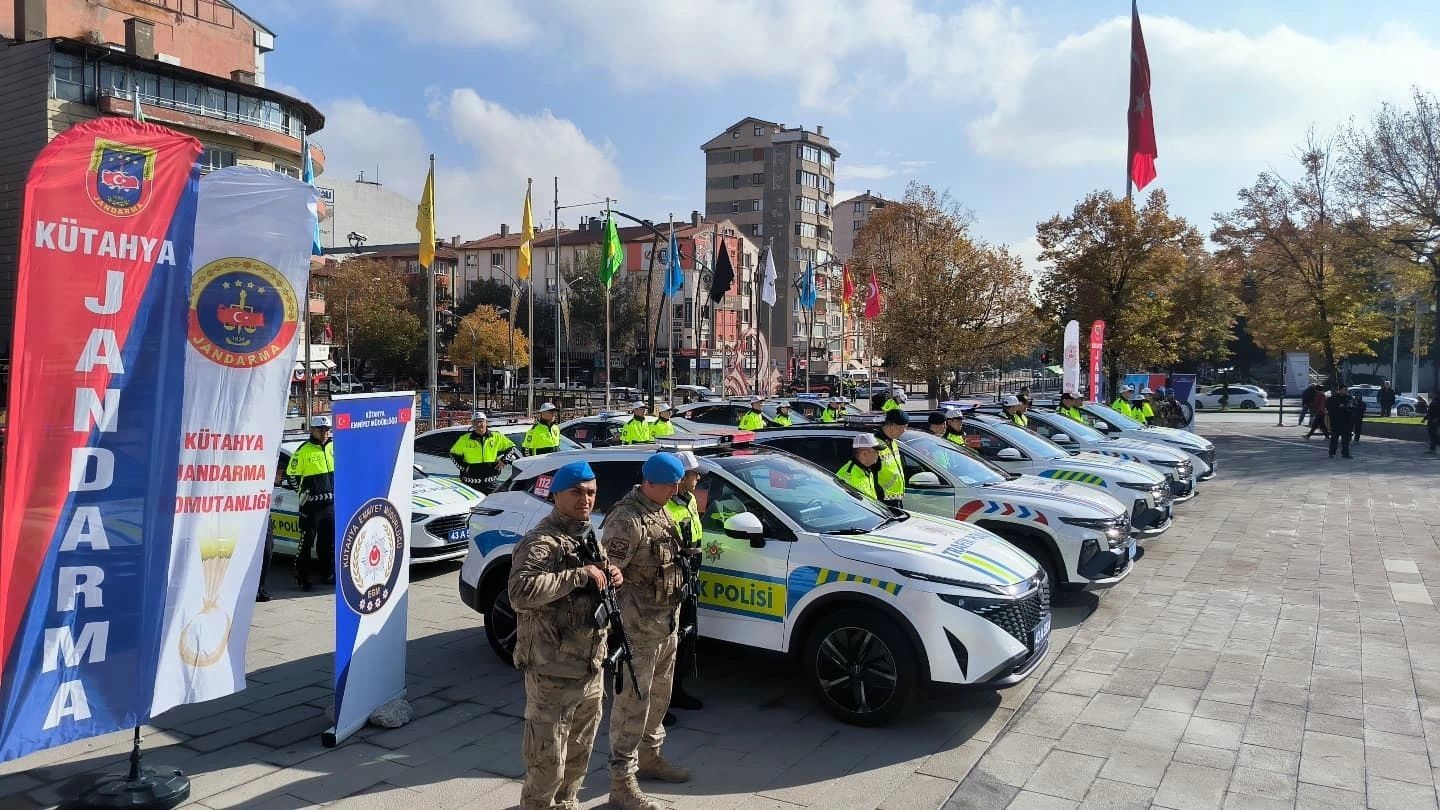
[158,788]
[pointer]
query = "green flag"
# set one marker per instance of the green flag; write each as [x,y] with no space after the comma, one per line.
[613,254]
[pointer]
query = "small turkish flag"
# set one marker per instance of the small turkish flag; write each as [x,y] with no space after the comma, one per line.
[405,415]
[342,421]
[872,298]
[1142,116]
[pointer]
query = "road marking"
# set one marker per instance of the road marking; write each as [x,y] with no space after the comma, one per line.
[1401,567]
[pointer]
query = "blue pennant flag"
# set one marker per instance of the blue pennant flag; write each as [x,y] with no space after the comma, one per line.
[807,287]
[674,274]
[307,174]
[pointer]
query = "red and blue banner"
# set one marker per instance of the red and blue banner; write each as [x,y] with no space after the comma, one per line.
[374,475]
[97,383]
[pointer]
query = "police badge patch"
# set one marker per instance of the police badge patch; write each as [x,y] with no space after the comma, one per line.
[119,179]
[372,550]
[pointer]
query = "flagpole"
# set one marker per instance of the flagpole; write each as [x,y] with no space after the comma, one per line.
[607,312]
[673,254]
[557,282]
[844,305]
[530,313]
[430,369]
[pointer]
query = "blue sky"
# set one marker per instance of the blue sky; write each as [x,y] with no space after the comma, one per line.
[1017,108]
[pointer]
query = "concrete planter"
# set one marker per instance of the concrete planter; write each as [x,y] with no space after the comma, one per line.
[1409,431]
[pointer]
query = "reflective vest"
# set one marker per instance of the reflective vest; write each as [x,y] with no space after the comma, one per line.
[889,405]
[636,431]
[1020,420]
[752,420]
[314,465]
[783,420]
[476,448]
[1145,413]
[541,439]
[890,479]
[1123,407]
[662,427]
[957,439]
[1072,413]
[858,477]
[684,510]
[830,415]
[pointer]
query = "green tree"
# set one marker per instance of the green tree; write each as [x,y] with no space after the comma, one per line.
[1308,264]
[1127,266]
[951,300]
[368,301]
[586,301]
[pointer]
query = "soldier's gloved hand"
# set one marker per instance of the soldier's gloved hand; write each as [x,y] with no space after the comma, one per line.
[597,577]
[616,578]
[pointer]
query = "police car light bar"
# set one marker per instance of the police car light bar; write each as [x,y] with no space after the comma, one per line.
[611,414]
[962,404]
[865,419]
[678,442]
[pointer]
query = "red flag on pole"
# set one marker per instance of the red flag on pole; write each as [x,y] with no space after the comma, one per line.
[1142,117]
[847,287]
[872,299]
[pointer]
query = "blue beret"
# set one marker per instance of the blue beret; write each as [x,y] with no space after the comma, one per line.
[663,468]
[576,472]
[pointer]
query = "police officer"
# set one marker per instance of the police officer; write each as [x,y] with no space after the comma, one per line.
[663,426]
[558,645]
[834,412]
[890,480]
[313,465]
[637,430]
[892,402]
[861,471]
[684,509]
[1015,411]
[1143,409]
[543,436]
[480,454]
[1121,404]
[935,422]
[782,415]
[955,428]
[643,542]
[1070,407]
[753,419]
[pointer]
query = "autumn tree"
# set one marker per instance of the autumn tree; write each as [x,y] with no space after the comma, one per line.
[1141,271]
[1305,262]
[483,339]
[368,306]
[951,300]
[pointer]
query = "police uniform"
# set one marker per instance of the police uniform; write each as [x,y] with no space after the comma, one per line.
[1071,412]
[1145,413]
[1122,406]
[832,414]
[636,431]
[643,542]
[479,456]
[561,650]
[752,420]
[684,509]
[783,419]
[890,404]
[662,427]
[890,477]
[1020,420]
[541,439]
[313,464]
[859,477]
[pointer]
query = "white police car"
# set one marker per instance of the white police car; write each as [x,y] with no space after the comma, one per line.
[432,448]
[875,604]
[1112,423]
[1017,450]
[439,514]
[1080,536]
[1075,437]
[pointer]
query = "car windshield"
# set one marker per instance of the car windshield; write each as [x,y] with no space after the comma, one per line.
[1112,416]
[969,469]
[1079,431]
[806,494]
[1033,446]
[796,417]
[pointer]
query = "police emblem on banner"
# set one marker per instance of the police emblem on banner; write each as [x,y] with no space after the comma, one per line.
[120,178]
[372,551]
[243,312]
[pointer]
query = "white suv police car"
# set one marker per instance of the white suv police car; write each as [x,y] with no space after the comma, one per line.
[874,603]
[1080,536]
[1112,423]
[1171,462]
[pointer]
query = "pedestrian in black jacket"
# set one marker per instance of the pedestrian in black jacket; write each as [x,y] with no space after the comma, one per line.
[1307,404]
[1341,413]
[1359,403]
[1386,398]
[1432,422]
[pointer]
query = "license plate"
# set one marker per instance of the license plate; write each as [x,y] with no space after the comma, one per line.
[459,535]
[1042,631]
[1130,549]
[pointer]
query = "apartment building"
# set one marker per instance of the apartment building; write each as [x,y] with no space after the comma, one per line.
[850,216]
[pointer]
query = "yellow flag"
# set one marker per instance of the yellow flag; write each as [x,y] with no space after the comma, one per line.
[527,235]
[425,220]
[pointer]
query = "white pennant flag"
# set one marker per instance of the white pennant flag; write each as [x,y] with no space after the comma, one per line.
[767,292]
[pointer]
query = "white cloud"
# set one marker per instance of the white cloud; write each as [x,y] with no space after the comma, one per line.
[480,177]
[1219,95]
[858,171]
[493,22]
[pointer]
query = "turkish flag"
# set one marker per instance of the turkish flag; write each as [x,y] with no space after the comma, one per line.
[1142,116]
[872,299]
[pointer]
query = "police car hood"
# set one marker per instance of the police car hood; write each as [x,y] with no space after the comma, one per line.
[938,548]
[1178,437]
[438,495]
[1039,500]
[1137,450]
[1108,467]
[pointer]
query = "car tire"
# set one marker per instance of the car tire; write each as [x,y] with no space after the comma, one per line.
[1199,405]
[888,667]
[1404,410]
[500,626]
[1249,405]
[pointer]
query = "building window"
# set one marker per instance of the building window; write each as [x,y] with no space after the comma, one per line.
[806,229]
[824,208]
[757,179]
[807,152]
[759,130]
[734,181]
[497,259]
[734,206]
[214,159]
[859,209]
[754,230]
[67,73]
[755,205]
[855,225]
[811,180]
[735,134]
[289,171]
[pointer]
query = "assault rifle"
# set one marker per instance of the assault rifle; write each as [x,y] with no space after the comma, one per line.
[621,655]
[690,565]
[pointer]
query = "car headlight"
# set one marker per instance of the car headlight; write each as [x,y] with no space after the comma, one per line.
[1114,529]
[974,604]
[1141,486]
[1165,462]
[958,583]
[418,517]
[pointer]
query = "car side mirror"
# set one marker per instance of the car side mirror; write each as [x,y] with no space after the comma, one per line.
[745,526]
[925,480]
[1103,427]
[1008,454]
[1061,438]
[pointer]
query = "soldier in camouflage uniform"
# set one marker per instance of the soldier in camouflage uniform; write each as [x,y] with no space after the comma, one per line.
[558,644]
[644,542]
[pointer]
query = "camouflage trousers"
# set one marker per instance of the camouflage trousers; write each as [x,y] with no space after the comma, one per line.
[637,721]
[561,718]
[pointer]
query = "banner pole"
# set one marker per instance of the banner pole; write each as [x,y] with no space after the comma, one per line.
[530,314]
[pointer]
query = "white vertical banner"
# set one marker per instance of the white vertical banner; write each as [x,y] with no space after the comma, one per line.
[1297,373]
[253,232]
[1070,366]
[374,479]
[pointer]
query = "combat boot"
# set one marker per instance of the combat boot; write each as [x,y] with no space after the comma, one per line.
[654,766]
[625,794]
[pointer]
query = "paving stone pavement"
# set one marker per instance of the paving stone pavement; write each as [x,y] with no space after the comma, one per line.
[1278,647]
